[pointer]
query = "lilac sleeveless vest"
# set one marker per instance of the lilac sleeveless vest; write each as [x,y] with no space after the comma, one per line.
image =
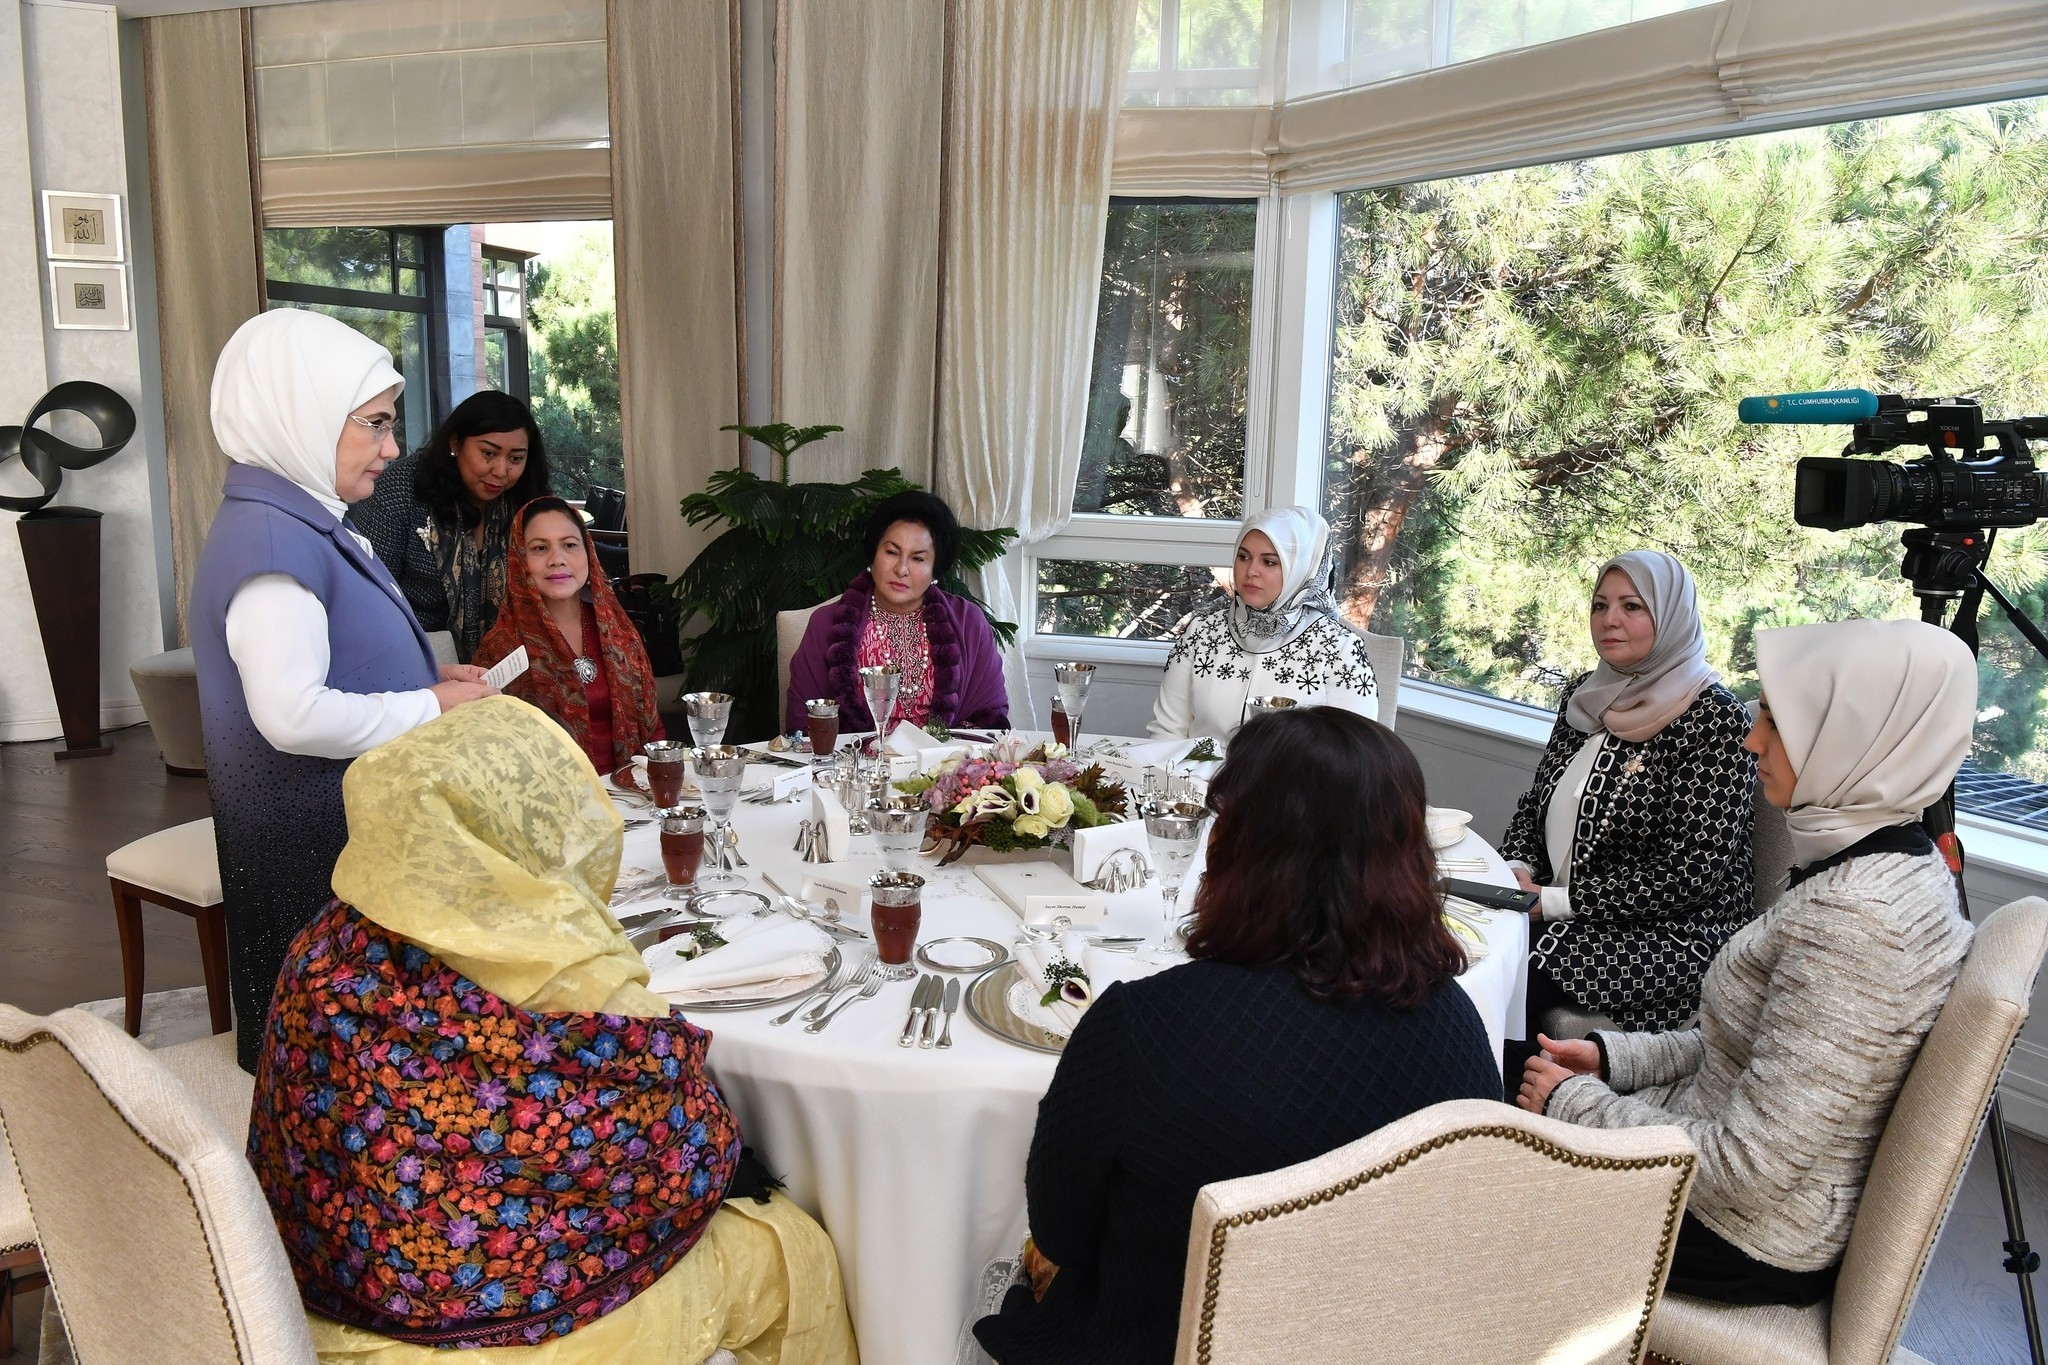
[277,818]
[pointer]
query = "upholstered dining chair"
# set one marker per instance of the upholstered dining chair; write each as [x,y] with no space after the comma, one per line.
[1469,1231]
[789,634]
[1386,653]
[21,1264]
[157,1239]
[1913,1180]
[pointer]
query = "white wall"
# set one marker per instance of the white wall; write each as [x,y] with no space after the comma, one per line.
[61,127]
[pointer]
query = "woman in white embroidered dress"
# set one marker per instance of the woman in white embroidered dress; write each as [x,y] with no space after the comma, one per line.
[1279,634]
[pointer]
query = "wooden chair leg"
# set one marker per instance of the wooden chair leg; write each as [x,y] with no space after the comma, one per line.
[6,1313]
[213,959]
[128,918]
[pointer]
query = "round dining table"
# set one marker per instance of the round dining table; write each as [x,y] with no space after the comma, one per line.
[911,1158]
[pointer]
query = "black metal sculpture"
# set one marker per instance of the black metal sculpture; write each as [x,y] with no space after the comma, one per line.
[60,548]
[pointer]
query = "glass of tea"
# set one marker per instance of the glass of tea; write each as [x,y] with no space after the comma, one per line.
[821,721]
[897,907]
[682,844]
[665,772]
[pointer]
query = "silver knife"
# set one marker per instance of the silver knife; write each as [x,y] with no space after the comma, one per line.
[952,1004]
[928,1031]
[916,1015]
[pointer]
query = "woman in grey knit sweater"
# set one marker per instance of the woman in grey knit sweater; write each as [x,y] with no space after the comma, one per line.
[1812,1014]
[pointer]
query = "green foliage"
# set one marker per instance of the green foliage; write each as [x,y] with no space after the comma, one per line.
[782,438]
[1537,369]
[574,364]
[786,546]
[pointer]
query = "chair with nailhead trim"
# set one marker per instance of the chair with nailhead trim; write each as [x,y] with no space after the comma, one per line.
[1469,1230]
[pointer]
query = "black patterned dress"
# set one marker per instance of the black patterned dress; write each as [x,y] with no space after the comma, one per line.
[1208,676]
[1660,868]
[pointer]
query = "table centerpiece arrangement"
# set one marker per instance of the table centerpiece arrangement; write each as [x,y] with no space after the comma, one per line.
[1017,796]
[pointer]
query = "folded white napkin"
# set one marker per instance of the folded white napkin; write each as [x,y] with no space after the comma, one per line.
[1158,753]
[932,755]
[1092,847]
[830,816]
[1104,969]
[764,948]
[907,739]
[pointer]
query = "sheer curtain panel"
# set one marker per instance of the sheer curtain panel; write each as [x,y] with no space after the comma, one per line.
[209,281]
[1031,118]
[673,66]
[857,239]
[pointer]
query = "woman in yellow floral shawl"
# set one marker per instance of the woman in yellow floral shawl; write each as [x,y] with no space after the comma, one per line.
[475,1125]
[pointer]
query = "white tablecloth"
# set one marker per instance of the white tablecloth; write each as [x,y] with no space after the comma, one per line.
[914,1159]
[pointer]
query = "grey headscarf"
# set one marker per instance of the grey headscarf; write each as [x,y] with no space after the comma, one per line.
[1637,704]
[1307,556]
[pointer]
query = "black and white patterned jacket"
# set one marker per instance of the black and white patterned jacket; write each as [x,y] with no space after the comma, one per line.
[1661,874]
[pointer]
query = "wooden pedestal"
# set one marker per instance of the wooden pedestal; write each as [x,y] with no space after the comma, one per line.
[61,549]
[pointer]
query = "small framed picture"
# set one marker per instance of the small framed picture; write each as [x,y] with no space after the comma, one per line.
[82,227]
[88,297]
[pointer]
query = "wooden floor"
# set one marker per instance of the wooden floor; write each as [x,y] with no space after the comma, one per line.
[58,822]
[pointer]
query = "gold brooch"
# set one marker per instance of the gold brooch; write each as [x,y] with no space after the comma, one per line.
[1633,764]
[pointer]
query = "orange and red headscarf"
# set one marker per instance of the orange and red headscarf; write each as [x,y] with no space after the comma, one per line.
[550,680]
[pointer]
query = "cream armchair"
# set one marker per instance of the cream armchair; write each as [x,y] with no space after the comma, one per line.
[1470,1231]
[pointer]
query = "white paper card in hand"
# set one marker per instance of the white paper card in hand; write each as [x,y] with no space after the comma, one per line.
[507,668]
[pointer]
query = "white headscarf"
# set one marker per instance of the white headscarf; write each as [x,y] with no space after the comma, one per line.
[1302,540]
[283,388]
[1637,704]
[1876,718]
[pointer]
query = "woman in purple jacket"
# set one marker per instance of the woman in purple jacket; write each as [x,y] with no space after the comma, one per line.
[894,614]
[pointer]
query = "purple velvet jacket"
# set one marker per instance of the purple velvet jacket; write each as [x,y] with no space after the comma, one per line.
[967,668]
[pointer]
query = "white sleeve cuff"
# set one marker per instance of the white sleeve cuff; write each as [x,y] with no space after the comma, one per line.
[1557,903]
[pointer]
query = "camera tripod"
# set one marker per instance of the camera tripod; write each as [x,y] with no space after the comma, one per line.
[1947,567]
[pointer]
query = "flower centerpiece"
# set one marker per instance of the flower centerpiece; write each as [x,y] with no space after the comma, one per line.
[1016,796]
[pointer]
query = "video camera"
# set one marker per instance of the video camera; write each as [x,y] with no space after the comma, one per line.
[1960,486]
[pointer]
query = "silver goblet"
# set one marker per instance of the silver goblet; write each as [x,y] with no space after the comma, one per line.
[1072,681]
[1174,831]
[898,824]
[719,770]
[708,712]
[880,685]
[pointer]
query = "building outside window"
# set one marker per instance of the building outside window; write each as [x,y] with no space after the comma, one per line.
[504,314]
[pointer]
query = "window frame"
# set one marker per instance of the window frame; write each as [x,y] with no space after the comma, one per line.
[428,303]
[1169,79]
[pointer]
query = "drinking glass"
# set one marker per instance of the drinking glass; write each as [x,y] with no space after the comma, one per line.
[880,685]
[665,772]
[1071,681]
[898,824]
[682,844]
[1255,706]
[719,770]
[708,713]
[895,909]
[821,722]
[1174,831]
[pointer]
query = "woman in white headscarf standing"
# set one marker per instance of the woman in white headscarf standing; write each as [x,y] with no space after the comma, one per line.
[307,654]
[1812,1015]
[1637,827]
[1277,634]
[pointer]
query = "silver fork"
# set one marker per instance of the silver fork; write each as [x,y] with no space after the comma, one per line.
[824,988]
[867,992]
[860,977]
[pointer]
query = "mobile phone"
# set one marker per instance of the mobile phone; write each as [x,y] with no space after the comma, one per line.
[1491,896]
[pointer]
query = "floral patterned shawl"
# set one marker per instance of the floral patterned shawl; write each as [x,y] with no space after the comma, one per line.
[550,681]
[474,1124]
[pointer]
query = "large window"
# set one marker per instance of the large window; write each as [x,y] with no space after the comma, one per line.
[378,281]
[1389,38]
[1199,52]
[1535,369]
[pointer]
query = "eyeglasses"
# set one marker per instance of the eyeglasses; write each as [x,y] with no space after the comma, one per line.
[379,427]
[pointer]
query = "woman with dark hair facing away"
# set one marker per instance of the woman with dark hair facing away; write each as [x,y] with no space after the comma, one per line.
[441,516]
[893,612]
[1320,1006]
[585,663]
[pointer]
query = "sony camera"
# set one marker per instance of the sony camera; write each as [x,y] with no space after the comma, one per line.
[1960,485]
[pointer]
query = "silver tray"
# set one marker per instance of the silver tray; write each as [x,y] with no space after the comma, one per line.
[988,1005]
[997,955]
[645,936]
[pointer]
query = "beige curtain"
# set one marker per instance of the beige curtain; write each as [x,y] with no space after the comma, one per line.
[1031,120]
[857,238]
[673,65]
[1193,151]
[209,277]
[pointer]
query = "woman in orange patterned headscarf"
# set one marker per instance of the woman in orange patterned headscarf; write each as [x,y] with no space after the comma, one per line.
[600,688]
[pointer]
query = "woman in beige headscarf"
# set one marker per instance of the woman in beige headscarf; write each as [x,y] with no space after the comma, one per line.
[476,1126]
[1811,1016]
[1637,827]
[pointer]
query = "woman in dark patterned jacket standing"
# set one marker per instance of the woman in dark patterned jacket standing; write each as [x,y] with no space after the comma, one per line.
[1637,828]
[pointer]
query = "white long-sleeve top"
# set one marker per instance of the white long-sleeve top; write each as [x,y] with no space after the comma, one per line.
[277,636]
[1208,677]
